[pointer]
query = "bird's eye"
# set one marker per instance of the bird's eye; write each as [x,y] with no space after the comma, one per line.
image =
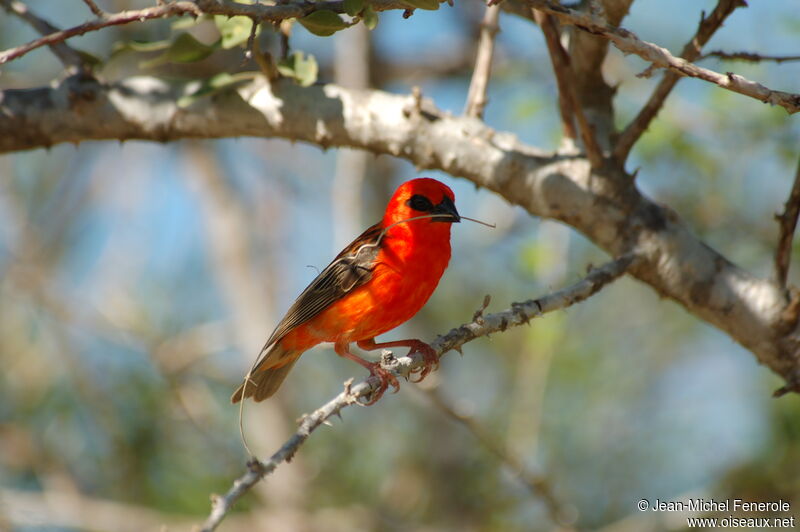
[420,203]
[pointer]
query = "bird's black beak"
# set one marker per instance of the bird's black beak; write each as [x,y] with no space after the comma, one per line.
[448,208]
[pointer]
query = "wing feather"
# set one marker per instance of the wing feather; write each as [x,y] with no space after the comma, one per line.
[350,269]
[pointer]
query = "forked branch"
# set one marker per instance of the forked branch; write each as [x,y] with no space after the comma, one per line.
[627,42]
[691,51]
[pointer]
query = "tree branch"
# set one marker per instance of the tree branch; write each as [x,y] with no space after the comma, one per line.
[554,49]
[258,12]
[567,92]
[587,54]
[94,8]
[627,42]
[605,205]
[481,325]
[691,51]
[476,96]
[65,54]
[750,57]
[788,224]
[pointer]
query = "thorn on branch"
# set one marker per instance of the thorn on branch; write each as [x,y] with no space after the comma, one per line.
[790,386]
[478,316]
[253,465]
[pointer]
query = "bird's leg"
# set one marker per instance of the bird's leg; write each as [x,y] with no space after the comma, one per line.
[375,370]
[415,346]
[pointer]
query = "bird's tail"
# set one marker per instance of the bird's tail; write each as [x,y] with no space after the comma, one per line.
[266,377]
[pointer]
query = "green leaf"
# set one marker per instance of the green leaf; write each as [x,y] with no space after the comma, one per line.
[234,30]
[353,7]
[303,69]
[213,86]
[370,18]
[430,5]
[184,49]
[323,22]
[142,46]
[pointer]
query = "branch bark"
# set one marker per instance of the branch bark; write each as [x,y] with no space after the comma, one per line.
[605,205]
[481,325]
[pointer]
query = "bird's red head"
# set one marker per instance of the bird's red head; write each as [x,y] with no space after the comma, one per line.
[422,197]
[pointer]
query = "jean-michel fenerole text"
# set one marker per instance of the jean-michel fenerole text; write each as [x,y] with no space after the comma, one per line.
[726,505]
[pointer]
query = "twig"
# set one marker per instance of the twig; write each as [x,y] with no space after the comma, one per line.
[124,17]
[555,50]
[94,8]
[539,485]
[71,59]
[258,12]
[265,62]
[628,42]
[476,97]
[691,51]
[750,57]
[788,223]
[568,97]
[518,314]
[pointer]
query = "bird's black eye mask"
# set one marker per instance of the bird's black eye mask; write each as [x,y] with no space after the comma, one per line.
[420,203]
[443,212]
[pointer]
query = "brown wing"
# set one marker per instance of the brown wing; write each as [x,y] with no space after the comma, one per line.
[350,269]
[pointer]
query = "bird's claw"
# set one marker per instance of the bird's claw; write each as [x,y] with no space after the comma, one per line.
[386,377]
[431,360]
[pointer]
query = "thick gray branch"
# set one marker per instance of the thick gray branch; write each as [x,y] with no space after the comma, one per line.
[606,206]
[480,325]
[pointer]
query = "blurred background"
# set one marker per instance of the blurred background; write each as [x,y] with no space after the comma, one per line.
[138,282]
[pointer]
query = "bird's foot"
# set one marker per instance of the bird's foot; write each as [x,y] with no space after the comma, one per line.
[430,357]
[386,377]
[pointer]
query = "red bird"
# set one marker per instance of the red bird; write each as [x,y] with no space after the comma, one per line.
[376,283]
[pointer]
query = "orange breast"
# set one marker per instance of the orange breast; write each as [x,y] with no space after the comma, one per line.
[405,275]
